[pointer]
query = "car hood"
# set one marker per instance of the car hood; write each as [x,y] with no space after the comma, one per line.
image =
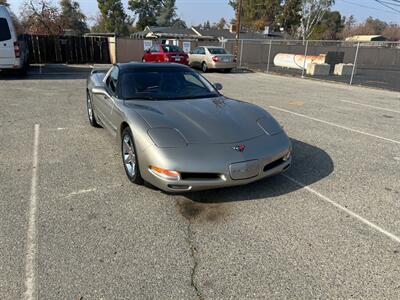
[205,121]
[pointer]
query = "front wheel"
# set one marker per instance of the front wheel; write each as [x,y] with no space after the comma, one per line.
[90,112]
[129,157]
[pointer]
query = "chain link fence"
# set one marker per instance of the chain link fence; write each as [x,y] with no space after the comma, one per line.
[373,64]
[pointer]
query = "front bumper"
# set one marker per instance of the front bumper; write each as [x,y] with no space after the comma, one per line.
[218,165]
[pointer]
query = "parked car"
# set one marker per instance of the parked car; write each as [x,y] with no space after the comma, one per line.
[14,52]
[179,133]
[166,53]
[208,57]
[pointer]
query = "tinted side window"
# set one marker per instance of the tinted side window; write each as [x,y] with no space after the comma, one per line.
[112,81]
[217,51]
[171,48]
[5,33]
[202,51]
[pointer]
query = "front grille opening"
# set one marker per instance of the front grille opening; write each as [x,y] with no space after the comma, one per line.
[179,187]
[200,176]
[274,164]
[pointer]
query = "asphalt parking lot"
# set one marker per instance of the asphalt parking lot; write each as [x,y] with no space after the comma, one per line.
[73,227]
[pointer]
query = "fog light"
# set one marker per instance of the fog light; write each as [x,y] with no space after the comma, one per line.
[165,174]
[287,156]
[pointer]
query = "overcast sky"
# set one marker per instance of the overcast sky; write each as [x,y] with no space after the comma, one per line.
[198,11]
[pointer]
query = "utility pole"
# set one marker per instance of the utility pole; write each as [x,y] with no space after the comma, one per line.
[238,26]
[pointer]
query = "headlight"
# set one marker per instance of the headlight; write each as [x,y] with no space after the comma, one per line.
[165,174]
[167,138]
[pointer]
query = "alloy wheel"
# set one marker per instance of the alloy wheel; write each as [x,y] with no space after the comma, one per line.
[129,155]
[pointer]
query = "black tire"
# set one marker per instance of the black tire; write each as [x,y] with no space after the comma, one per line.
[204,67]
[23,71]
[128,151]
[227,70]
[90,111]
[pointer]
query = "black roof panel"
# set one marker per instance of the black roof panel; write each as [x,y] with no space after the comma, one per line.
[134,66]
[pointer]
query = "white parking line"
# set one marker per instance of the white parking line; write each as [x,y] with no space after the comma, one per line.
[84,191]
[346,210]
[371,106]
[336,125]
[30,278]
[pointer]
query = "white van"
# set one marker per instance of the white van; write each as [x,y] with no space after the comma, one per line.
[13,51]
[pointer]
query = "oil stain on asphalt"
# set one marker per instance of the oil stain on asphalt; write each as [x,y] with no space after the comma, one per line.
[201,210]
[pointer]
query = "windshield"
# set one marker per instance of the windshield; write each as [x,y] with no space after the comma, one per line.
[165,84]
[171,48]
[217,51]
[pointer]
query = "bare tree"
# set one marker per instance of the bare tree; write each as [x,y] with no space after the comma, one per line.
[41,17]
[312,12]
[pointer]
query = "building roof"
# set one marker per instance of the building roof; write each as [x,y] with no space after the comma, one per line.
[153,32]
[170,33]
[365,38]
[247,35]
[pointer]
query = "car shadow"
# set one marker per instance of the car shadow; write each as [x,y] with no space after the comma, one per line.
[233,72]
[50,72]
[310,165]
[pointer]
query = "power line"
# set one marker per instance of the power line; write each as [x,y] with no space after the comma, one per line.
[388,6]
[395,3]
[366,6]
[391,3]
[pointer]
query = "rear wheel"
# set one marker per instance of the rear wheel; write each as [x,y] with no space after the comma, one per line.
[23,71]
[90,112]
[204,67]
[129,157]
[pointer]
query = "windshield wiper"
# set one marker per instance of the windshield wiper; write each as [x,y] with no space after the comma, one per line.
[196,97]
[143,98]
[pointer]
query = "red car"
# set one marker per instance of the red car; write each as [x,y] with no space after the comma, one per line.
[166,53]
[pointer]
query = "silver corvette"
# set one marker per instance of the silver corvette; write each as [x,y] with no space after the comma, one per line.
[178,133]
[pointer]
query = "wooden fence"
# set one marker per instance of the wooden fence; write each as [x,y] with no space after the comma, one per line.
[67,49]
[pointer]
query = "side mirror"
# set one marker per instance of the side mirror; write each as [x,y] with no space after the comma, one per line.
[218,86]
[99,90]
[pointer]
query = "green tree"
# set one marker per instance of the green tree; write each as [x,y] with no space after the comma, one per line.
[207,25]
[257,14]
[330,27]
[179,23]
[289,18]
[221,24]
[167,14]
[72,16]
[376,26]
[147,12]
[4,2]
[113,17]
